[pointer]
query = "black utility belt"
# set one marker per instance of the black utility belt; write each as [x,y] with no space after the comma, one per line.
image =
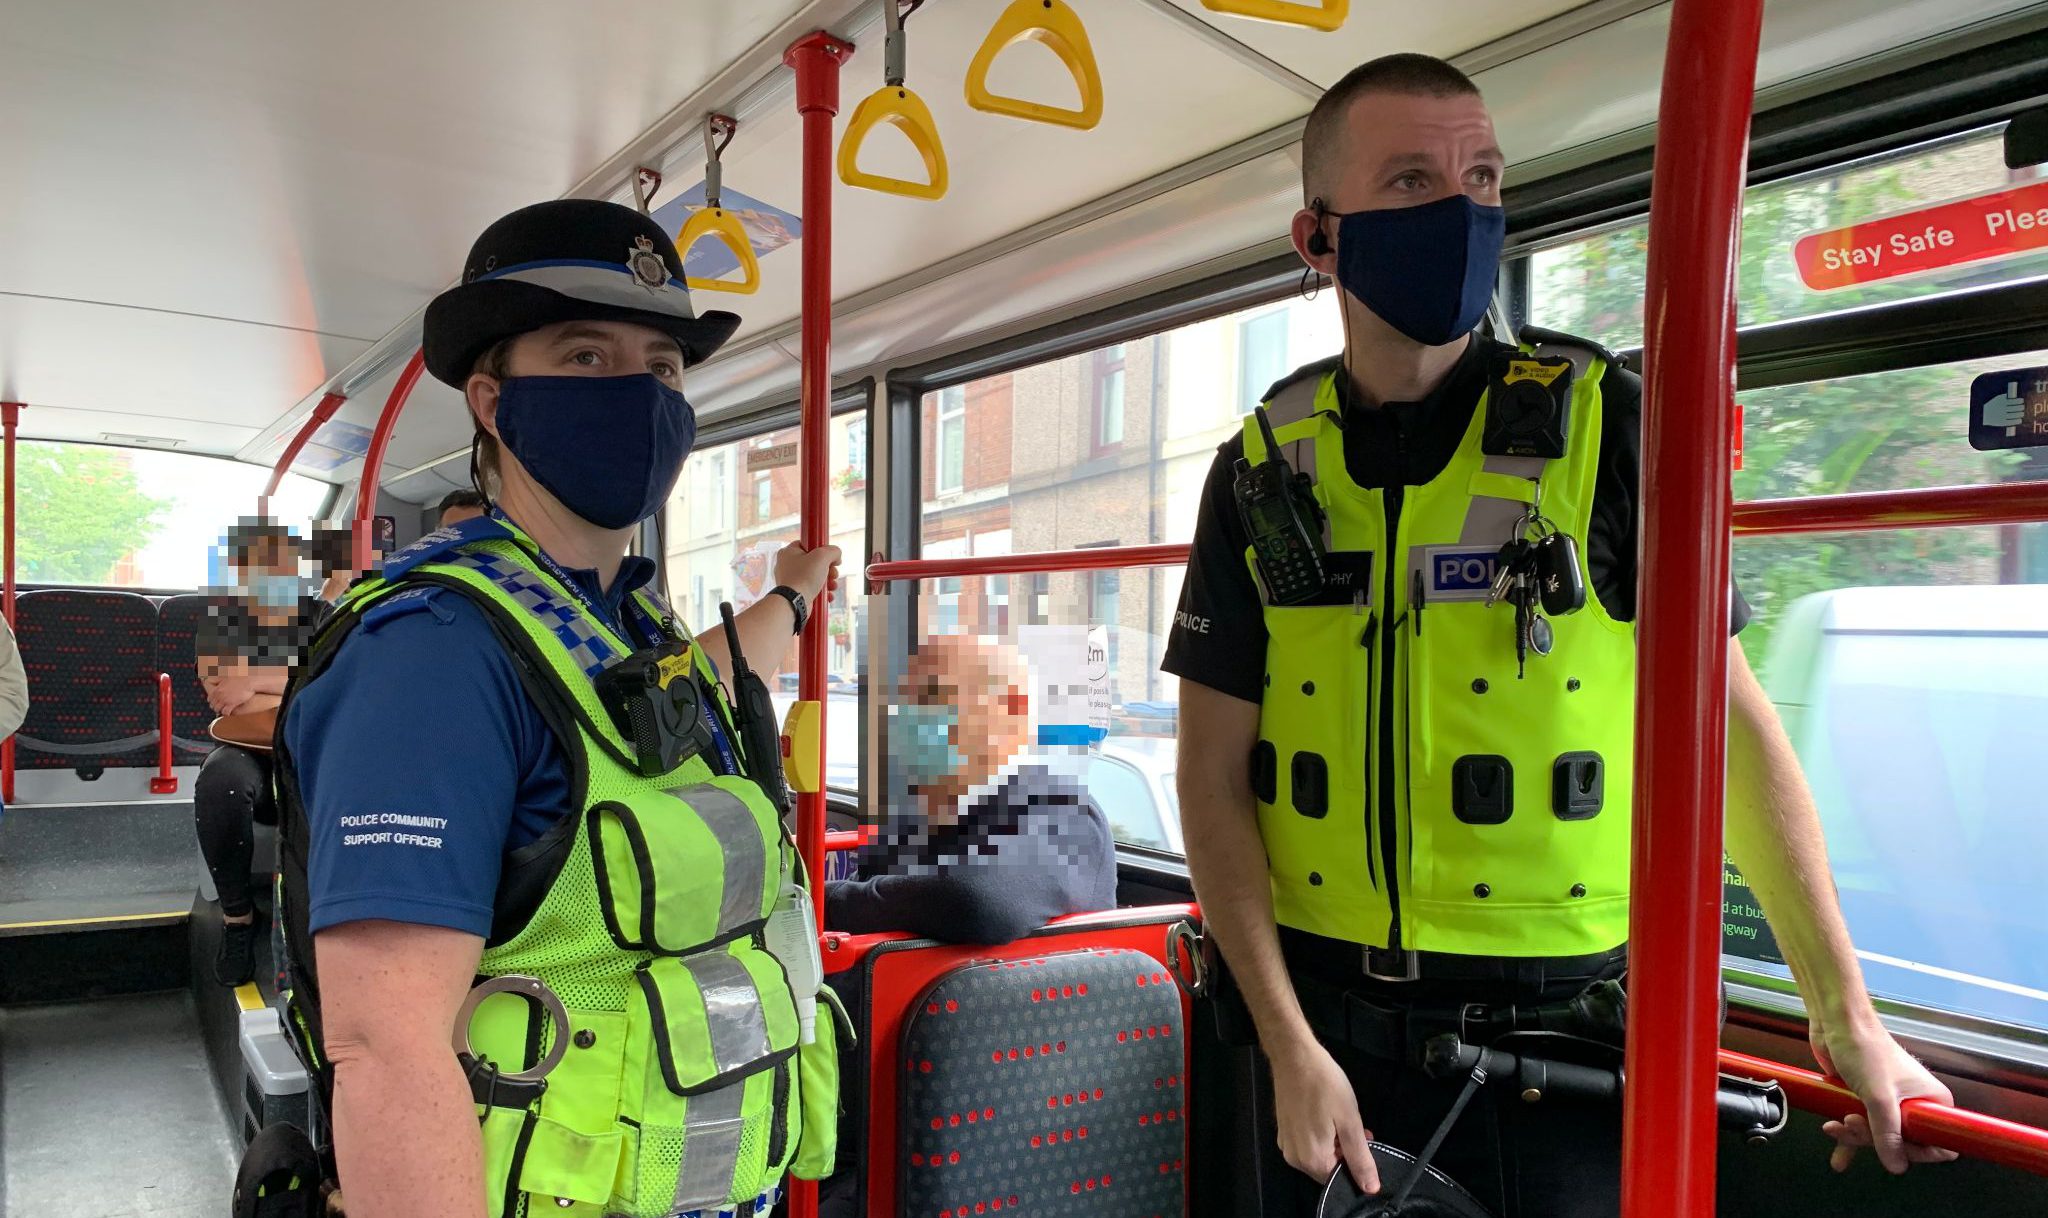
[1401,1031]
[1340,963]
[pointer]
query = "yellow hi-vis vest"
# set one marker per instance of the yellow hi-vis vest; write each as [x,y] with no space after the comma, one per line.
[1412,792]
[675,1081]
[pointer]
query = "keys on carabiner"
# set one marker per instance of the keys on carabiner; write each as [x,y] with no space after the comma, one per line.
[1508,568]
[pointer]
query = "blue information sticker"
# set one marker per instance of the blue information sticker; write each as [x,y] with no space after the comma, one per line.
[2009,409]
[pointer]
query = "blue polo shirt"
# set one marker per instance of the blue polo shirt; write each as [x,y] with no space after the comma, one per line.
[422,760]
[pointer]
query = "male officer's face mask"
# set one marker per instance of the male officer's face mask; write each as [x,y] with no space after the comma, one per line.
[921,741]
[608,447]
[1427,271]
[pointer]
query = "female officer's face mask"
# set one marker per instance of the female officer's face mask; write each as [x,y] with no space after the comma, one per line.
[608,447]
[1427,271]
[921,741]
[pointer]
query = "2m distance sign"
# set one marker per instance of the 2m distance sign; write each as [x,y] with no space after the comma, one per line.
[1997,225]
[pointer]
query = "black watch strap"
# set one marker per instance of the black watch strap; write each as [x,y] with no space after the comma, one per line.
[796,603]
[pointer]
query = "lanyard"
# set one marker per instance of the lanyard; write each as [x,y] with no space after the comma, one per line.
[648,629]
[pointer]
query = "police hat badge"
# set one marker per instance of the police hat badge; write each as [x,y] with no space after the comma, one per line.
[1433,1195]
[649,271]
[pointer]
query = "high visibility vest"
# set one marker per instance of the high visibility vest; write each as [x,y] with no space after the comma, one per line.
[1413,792]
[680,1085]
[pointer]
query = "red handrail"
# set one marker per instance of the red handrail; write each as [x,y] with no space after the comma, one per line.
[373,459]
[1668,1117]
[815,58]
[1926,1122]
[1929,508]
[165,782]
[10,418]
[323,410]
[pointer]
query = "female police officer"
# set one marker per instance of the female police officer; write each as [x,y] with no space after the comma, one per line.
[478,843]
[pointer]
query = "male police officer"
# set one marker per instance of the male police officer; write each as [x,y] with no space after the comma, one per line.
[518,813]
[1434,826]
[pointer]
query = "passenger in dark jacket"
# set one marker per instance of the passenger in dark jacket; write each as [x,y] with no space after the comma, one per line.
[991,843]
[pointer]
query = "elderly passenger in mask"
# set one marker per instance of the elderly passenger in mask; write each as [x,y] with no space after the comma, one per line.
[992,843]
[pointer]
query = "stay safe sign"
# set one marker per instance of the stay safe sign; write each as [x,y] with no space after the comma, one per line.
[1997,225]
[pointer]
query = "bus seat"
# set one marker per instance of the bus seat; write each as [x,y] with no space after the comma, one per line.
[90,657]
[918,1064]
[177,622]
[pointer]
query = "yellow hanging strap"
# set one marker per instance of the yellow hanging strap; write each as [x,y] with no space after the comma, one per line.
[1325,16]
[712,220]
[901,108]
[1057,27]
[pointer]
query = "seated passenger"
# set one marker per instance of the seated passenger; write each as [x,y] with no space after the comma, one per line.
[994,844]
[458,506]
[245,647]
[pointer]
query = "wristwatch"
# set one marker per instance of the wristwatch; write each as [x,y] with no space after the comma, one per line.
[796,602]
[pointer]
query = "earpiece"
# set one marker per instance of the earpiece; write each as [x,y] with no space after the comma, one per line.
[1318,241]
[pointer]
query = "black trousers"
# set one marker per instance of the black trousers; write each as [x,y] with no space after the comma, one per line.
[230,797]
[1559,1158]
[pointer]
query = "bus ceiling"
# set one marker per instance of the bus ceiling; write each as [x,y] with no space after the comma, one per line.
[302,180]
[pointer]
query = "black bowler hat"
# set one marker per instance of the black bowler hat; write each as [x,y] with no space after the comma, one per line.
[566,260]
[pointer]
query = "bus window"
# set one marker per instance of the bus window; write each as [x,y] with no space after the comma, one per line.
[1593,285]
[735,506]
[101,516]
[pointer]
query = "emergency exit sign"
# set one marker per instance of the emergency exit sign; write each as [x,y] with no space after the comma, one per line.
[1998,225]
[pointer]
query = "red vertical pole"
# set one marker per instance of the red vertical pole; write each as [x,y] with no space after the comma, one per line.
[373,459]
[165,782]
[1668,1138]
[815,58]
[10,418]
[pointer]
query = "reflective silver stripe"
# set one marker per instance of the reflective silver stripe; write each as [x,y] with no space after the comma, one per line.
[739,845]
[711,1148]
[603,285]
[1295,402]
[1489,520]
[732,1011]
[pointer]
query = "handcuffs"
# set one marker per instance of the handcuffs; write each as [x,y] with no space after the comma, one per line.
[487,1081]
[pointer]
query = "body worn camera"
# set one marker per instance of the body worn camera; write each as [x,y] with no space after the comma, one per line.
[1528,407]
[654,701]
[1285,523]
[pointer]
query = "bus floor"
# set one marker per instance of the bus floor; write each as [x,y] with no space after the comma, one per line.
[108,1108]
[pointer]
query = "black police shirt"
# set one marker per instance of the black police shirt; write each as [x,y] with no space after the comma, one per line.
[1219,632]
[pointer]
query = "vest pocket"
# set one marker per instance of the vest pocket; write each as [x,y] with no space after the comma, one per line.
[708,1040]
[817,1147]
[685,870]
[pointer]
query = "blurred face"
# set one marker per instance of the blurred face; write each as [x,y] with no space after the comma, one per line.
[1404,150]
[962,714]
[268,570]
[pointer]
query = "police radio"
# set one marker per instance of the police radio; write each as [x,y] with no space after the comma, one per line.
[1285,523]
[1528,407]
[654,701]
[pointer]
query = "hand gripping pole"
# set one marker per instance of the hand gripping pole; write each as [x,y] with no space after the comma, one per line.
[1325,16]
[1056,26]
[712,220]
[902,109]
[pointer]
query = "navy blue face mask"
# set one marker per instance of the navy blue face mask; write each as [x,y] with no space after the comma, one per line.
[608,447]
[1427,271]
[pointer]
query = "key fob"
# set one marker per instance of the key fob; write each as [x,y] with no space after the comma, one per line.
[1541,640]
[1559,581]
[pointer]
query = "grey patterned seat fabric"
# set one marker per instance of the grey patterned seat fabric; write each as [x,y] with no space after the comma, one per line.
[1053,1084]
